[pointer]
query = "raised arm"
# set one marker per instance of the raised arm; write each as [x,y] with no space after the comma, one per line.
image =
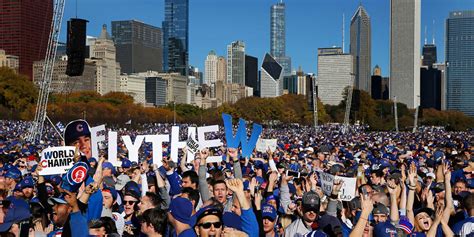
[393,190]
[234,155]
[367,206]
[449,207]
[203,188]
[411,192]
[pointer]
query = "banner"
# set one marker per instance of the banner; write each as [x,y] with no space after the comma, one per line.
[327,181]
[264,144]
[348,189]
[192,145]
[57,160]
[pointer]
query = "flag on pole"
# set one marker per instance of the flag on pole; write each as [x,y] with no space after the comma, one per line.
[60,126]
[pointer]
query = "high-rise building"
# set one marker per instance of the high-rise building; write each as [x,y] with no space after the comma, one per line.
[442,67]
[236,63]
[360,49]
[138,45]
[176,36]
[24,31]
[278,36]
[103,53]
[134,86]
[405,19]
[429,55]
[221,69]
[64,84]
[334,74]
[10,61]
[271,77]
[251,74]
[459,61]
[430,88]
[155,91]
[210,67]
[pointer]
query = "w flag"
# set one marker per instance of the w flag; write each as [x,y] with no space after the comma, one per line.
[60,126]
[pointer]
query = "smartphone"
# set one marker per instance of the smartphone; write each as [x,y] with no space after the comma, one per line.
[293,173]
[364,192]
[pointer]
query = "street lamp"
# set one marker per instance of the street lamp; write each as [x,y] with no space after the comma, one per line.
[174,110]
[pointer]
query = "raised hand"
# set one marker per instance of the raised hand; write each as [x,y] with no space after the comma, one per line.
[392,187]
[412,174]
[367,204]
[235,185]
[233,153]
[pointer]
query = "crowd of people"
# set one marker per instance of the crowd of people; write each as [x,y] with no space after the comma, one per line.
[407,184]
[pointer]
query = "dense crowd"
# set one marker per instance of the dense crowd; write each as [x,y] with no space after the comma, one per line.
[407,184]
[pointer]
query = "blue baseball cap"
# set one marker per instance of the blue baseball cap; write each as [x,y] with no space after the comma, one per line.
[126,163]
[76,129]
[18,210]
[108,165]
[232,220]
[27,183]
[56,200]
[112,191]
[268,211]
[13,173]
[181,209]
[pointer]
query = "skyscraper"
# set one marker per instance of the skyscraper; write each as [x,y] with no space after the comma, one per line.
[334,74]
[176,36]
[221,69]
[210,68]
[459,61]
[429,55]
[138,45]
[24,31]
[236,63]
[251,74]
[278,36]
[103,53]
[360,49]
[271,78]
[405,18]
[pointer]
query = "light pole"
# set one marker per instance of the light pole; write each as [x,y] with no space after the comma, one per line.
[416,113]
[174,110]
[315,103]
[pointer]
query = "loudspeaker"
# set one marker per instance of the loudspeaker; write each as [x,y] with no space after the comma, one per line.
[76,46]
[355,105]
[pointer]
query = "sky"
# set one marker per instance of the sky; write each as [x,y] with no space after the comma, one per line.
[310,24]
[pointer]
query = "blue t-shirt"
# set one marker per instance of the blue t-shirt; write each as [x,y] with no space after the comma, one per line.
[188,233]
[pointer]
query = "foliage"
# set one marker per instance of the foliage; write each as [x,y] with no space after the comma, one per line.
[17,92]
[18,95]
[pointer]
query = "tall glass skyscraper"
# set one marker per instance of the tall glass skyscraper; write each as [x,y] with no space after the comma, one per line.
[176,36]
[460,61]
[278,36]
[361,49]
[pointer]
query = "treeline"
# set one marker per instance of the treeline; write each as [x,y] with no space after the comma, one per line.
[18,100]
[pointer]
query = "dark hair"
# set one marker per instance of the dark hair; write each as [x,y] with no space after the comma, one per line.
[193,195]
[156,218]
[219,181]
[109,225]
[155,200]
[469,202]
[193,176]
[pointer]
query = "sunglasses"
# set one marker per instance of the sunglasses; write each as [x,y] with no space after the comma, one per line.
[130,202]
[268,218]
[208,225]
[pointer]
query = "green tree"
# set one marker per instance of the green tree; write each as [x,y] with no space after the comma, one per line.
[17,92]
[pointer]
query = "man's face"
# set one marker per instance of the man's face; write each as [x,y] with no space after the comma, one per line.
[375,180]
[28,192]
[98,231]
[309,215]
[236,207]
[107,172]
[209,226]
[459,187]
[84,144]
[9,181]
[187,183]
[60,213]
[130,203]
[268,224]
[145,204]
[380,218]
[220,192]
[108,200]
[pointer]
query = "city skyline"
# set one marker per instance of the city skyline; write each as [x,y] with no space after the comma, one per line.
[321,28]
